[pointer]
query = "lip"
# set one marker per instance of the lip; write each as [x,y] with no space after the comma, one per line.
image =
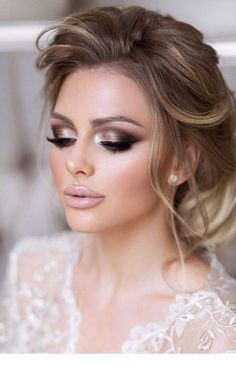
[80,196]
[81,190]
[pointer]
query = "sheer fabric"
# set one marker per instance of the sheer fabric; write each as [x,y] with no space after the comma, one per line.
[39,313]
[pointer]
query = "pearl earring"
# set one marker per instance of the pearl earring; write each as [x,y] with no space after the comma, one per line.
[173,178]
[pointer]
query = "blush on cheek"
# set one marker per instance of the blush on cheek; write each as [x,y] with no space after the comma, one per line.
[133,181]
[56,160]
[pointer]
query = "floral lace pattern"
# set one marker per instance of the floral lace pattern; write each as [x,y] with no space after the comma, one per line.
[39,313]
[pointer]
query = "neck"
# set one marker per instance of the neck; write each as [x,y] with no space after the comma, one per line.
[131,255]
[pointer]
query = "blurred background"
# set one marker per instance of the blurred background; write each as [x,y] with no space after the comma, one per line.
[26,205]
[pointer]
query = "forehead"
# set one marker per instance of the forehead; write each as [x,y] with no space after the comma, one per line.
[94,93]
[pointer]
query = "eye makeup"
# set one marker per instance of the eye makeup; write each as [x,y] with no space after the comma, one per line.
[112,139]
[116,140]
[62,137]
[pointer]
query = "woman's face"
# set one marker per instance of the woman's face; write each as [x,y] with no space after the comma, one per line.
[84,156]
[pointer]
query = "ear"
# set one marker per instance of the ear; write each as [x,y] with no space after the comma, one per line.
[192,155]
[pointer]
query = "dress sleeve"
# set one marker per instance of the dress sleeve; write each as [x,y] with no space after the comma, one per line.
[31,304]
[10,320]
[205,322]
[208,322]
[199,322]
[207,326]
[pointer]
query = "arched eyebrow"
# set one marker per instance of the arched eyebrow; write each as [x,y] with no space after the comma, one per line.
[97,122]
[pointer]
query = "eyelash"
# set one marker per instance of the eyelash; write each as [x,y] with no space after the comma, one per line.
[116,146]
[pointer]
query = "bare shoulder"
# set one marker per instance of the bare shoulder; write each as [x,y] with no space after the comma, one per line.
[190,277]
[197,273]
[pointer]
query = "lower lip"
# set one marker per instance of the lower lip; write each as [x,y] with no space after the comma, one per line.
[87,202]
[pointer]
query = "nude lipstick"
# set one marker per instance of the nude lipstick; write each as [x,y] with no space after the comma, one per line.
[81,197]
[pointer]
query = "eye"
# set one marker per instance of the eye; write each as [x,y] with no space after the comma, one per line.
[62,137]
[116,141]
[61,142]
[117,146]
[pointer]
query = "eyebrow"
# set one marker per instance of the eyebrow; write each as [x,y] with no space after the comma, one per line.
[98,121]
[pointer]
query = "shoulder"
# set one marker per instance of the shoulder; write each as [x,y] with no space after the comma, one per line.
[200,321]
[212,321]
[209,314]
[42,259]
[63,241]
[34,285]
[40,248]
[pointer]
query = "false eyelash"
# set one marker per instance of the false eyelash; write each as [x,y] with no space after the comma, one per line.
[111,146]
[116,146]
[61,142]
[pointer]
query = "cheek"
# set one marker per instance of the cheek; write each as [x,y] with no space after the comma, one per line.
[57,161]
[128,178]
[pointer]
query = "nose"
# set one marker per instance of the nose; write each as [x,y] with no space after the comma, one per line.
[77,161]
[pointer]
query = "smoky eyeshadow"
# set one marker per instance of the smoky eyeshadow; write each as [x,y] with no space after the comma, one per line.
[118,136]
[113,133]
[58,131]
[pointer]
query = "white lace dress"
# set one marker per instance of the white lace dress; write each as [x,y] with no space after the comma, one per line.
[39,313]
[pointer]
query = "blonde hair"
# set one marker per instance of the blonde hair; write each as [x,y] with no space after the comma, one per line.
[189,98]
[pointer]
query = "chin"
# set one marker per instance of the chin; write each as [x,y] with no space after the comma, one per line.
[83,225]
[91,225]
[80,227]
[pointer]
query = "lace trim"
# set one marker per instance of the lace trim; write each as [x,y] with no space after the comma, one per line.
[186,308]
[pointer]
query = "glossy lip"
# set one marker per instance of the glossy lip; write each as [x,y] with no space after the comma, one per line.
[80,196]
[82,203]
[79,190]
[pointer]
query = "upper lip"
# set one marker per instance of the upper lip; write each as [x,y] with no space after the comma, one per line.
[81,190]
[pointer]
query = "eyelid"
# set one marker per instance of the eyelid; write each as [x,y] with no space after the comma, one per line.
[119,130]
[117,136]
[118,133]
[63,132]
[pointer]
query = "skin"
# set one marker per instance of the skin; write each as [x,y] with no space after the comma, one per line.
[127,239]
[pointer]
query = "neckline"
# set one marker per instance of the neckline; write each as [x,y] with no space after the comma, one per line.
[137,332]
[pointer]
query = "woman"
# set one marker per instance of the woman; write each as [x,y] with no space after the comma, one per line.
[142,133]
